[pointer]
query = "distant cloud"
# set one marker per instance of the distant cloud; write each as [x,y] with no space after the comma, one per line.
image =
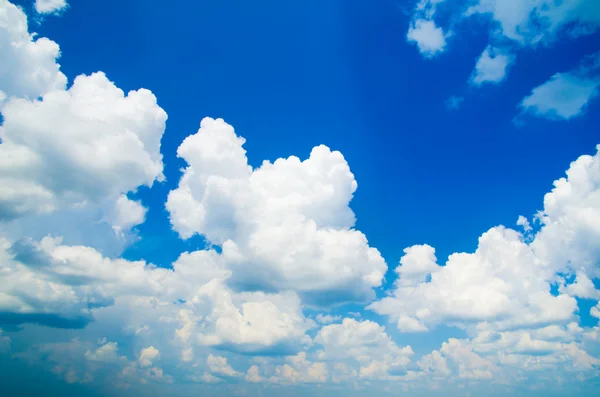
[454,102]
[49,6]
[429,38]
[491,67]
[565,95]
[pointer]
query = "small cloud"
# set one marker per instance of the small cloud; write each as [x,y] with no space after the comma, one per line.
[429,38]
[491,67]
[50,6]
[454,102]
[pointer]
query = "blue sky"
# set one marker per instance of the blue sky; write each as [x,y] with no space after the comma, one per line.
[123,274]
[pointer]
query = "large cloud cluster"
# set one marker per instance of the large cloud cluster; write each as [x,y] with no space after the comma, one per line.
[282,248]
[283,226]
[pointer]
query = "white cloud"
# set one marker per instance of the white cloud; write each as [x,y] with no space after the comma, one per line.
[506,282]
[365,344]
[532,22]
[147,356]
[127,214]
[429,38]
[250,322]
[51,162]
[564,96]
[502,283]
[218,366]
[285,225]
[107,353]
[50,6]
[29,67]
[455,356]
[327,318]
[491,67]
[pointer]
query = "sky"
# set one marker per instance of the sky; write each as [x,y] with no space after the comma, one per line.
[316,198]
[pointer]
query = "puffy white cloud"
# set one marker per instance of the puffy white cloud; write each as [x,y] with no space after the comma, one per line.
[127,214]
[506,283]
[283,226]
[253,375]
[570,234]
[297,370]
[29,67]
[564,96]
[147,356]
[50,6]
[219,366]
[457,357]
[251,322]
[104,144]
[502,282]
[491,67]
[364,343]
[429,38]
[107,353]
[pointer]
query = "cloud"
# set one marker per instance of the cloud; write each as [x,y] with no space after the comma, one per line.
[147,356]
[327,318]
[40,174]
[564,96]
[506,283]
[218,366]
[363,344]
[429,38]
[29,67]
[289,219]
[529,23]
[50,6]
[454,102]
[491,67]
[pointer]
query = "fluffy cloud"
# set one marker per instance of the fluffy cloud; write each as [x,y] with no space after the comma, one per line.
[218,366]
[429,38]
[29,67]
[365,344]
[285,225]
[506,282]
[51,162]
[147,356]
[50,6]
[491,67]
[513,25]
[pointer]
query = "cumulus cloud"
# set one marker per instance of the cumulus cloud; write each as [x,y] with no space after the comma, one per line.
[147,356]
[506,282]
[429,38]
[285,241]
[365,345]
[51,162]
[491,67]
[50,6]
[283,226]
[29,67]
